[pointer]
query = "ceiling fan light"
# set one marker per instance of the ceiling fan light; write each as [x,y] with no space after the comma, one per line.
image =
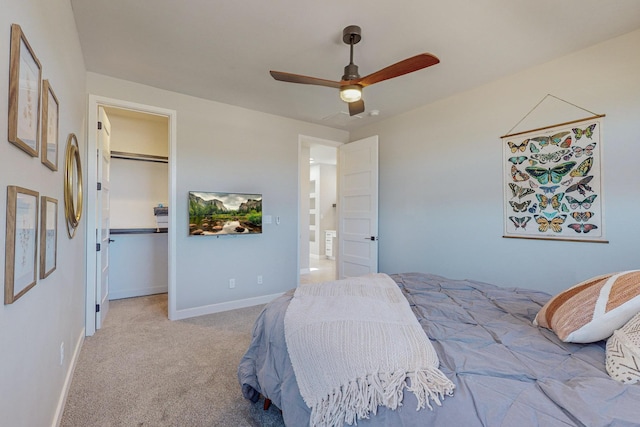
[351,93]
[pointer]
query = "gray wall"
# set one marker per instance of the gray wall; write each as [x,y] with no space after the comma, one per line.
[32,329]
[229,149]
[441,206]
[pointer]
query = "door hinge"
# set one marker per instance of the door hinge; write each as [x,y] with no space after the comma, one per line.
[99,186]
[99,125]
[97,247]
[97,308]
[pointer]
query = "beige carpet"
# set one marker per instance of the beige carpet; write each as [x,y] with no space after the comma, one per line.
[141,369]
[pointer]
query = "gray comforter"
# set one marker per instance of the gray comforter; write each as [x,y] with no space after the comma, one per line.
[507,372]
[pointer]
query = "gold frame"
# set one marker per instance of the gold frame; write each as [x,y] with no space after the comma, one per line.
[72,185]
[45,218]
[50,121]
[21,243]
[21,105]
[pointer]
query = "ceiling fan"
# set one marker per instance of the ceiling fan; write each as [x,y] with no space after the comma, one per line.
[351,83]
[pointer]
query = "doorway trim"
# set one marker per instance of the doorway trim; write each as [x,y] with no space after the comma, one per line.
[302,159]
[92,168]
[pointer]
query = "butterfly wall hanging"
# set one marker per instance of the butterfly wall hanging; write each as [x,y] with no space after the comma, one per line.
[553,180]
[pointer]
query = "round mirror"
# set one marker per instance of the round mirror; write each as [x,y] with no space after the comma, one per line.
[72,185]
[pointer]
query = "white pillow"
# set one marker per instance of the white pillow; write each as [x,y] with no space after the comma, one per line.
[591,310]
[623,352]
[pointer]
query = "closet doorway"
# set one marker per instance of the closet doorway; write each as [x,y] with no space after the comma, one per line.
[318,210]
[139,200]
[141,249]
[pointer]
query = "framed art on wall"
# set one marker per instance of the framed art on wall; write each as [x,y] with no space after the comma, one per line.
[49,135]
[48,235]
[25,77]
[21,238]
[553,182]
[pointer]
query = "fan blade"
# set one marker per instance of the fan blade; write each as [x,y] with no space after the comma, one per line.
[356,107]
[297,78]
[406,66]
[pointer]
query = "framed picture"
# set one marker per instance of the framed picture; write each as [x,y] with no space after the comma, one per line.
[25,83]
[48,235]
[215,213]
[49,134]
[553,182]
[20,252]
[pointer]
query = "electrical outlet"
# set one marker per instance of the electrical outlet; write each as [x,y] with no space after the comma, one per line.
[259,280]
[61,353]
[232,283]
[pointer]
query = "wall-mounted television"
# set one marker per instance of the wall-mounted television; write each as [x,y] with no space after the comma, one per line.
[214,213]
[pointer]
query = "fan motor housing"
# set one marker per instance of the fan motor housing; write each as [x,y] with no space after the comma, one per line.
[352,34]
[351,72]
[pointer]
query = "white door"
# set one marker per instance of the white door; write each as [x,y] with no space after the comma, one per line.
[358,208]
[102,218]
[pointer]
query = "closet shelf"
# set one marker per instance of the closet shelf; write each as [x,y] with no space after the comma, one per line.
[137,230]
[139,157]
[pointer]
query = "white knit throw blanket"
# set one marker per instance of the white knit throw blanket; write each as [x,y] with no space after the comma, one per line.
[353,344]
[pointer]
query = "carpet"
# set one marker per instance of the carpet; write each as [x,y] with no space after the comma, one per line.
[142,369]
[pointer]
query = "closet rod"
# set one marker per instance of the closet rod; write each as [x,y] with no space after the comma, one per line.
[139,157]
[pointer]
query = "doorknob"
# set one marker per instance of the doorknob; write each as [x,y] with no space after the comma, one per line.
[372,238]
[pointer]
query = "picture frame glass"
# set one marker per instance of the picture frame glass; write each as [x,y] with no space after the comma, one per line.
[50,116]
[29,91]
[50,231]
[26,215]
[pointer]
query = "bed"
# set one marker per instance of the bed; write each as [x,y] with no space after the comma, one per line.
[506,371]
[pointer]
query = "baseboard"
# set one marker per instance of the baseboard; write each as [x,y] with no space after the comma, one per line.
[62,400]
[140,292]
[223,306]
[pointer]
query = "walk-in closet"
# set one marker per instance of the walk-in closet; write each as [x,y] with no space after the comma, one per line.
[138,203]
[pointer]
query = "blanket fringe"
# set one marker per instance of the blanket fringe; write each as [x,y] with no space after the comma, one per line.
[362,396]
[430,384]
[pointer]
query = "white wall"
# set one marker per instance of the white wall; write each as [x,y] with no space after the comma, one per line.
[304,170]
[138,265]
[137,186]
[314,219]
[327,212]
[229,149]
[441,206]
[139,133]
[32,381]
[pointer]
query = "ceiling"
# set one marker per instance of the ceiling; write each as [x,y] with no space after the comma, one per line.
[222,50]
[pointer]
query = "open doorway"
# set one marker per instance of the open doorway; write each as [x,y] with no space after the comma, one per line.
[142,146]
[318,210]
[139,201]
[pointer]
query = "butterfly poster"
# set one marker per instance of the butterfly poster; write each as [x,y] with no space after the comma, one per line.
[553,182]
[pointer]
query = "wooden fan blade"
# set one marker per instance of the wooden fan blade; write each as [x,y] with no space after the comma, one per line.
[297,78]
[356,107]
[406,66]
